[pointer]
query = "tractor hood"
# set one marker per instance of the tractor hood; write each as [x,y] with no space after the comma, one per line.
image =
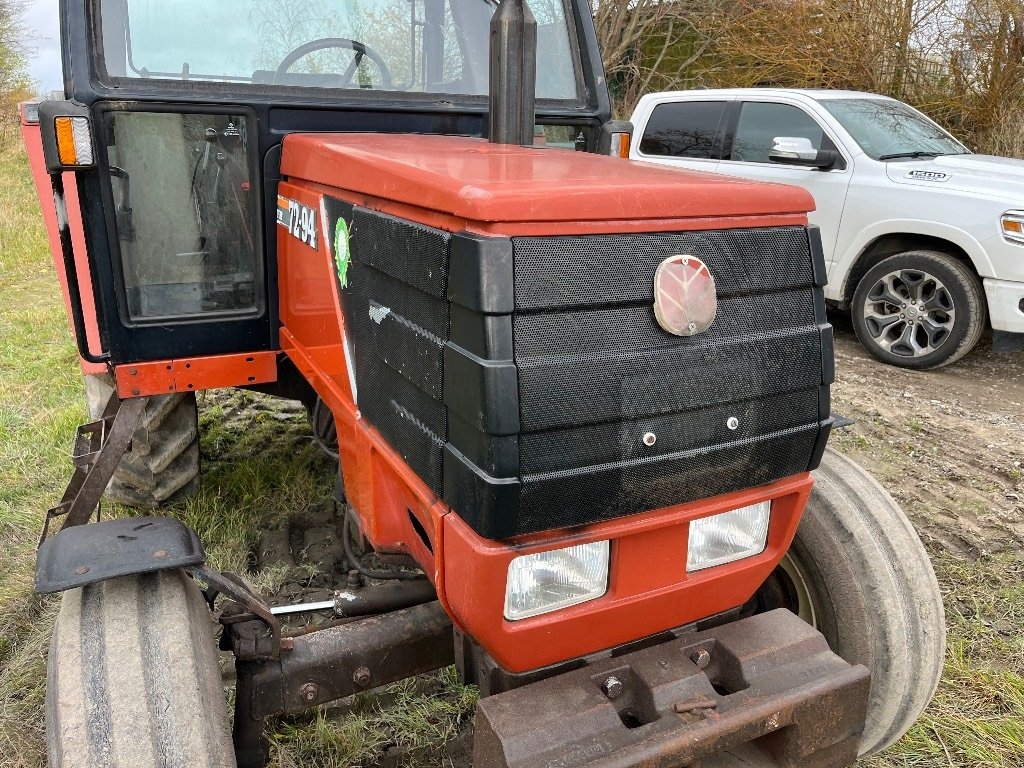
[997,177]
[478,181]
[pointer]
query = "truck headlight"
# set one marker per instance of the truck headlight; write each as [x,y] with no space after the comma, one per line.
[1011,224]
[728,536]
[548,581]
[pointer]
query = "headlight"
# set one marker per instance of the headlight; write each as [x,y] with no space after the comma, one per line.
[547,581]
[728,536]
[1012,225]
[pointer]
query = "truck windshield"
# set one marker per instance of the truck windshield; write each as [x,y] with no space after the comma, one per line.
[406,46]
[890,130]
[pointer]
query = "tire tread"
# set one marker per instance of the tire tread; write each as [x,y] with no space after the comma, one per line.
[861,530]
[133,679]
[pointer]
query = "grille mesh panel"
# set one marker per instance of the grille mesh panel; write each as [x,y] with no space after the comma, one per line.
[406,251]
[587,270]
[612,442]
[399,319]
[612,364]
[408,328]
[583,496]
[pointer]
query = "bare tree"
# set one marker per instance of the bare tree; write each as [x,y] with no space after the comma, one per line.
[649,44]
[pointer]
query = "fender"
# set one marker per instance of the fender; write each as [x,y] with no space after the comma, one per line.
[843,267]
[87,554]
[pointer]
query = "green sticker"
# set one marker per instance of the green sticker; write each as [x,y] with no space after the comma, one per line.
[342,257]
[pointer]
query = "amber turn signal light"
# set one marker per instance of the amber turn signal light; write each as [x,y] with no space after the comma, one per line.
[74,146]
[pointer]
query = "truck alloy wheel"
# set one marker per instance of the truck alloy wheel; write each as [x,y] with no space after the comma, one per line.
[919,309]
[133,678]
[858,569]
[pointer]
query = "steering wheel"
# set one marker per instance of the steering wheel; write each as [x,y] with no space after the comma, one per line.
[339,42]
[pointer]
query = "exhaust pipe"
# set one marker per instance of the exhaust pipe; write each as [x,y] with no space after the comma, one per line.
[513,73]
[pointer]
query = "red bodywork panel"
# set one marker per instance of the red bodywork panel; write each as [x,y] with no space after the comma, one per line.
[500,189]
[194,373]
[34,150]
[461,184]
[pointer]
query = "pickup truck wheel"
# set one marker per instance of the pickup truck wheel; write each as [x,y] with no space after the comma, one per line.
[162,466]
[133,680]
[858,573]
[919,309]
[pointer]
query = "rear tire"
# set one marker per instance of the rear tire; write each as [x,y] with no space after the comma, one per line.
[858,572]
[133,679]
[162,466]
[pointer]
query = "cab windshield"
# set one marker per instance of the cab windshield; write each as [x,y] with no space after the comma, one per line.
[891,130]
[404,46]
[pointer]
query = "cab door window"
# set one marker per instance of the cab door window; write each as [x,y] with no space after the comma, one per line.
[761,122]
[683,129]
[185,213]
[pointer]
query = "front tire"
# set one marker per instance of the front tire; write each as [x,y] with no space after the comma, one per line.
[919,309]
[133,679]
[858,572]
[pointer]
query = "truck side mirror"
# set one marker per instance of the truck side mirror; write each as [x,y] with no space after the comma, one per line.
[796,150]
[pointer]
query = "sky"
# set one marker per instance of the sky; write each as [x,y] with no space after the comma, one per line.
[42,29]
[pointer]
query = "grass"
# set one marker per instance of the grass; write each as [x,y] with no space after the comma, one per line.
[40,406]
[260,470]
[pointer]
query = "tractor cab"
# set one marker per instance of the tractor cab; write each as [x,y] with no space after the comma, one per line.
[180,110]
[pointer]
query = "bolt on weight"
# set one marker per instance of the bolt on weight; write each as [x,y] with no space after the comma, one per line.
[361,676]
[309,691]
[612,687]
[701,658]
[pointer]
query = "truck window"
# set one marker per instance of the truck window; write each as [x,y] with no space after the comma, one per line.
[407,46]
[886,127]
[683,129]
[761,122]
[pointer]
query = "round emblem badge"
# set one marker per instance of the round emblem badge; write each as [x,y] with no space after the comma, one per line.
[685,302]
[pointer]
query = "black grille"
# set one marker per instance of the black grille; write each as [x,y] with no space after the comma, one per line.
[578,496]
[399,326]
[409,252]
[534,418]
[623,441]
[597,374]
[586,270]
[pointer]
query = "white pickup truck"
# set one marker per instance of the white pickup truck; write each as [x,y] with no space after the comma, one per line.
[924,241]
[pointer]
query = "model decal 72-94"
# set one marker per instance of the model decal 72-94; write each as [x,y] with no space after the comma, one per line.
[298,218]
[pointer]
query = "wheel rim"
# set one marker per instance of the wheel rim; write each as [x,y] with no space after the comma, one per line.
[803,604]
[909,313]
[785,588]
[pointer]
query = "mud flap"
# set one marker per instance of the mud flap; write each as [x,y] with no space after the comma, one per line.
[762,691]
[86,554]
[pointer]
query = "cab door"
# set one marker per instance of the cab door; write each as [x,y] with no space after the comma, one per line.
[757,124]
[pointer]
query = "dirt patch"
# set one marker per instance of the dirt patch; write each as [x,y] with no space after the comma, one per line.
[947,444]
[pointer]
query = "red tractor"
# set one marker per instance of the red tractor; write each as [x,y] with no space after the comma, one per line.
[579,398]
